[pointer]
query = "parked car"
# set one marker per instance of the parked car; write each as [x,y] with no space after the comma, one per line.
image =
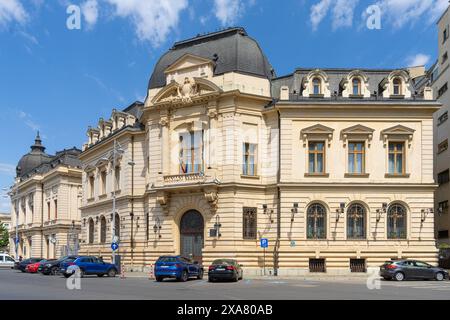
[6,261]
[411,269]
[52,267]
[177,267]
[225,269]
[23,265]
[89,266]
[33,268]
[444,258]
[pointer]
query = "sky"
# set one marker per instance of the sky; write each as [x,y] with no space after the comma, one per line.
[64,64]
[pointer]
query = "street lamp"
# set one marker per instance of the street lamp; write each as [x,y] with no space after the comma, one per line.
[217,226]
[340,211]
[294,210]
[381,211]
[425,213]
[157,227]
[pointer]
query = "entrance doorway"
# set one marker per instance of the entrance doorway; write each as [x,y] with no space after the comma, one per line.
[192,229]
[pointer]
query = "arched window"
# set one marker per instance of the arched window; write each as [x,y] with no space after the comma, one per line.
[91,231]
[317,86]
[103,230]
[396,222]
[356,86]
[397,83]
[117,226]
[316,220]
[356,222]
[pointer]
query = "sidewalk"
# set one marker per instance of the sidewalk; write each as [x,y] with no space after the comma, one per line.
[309,277]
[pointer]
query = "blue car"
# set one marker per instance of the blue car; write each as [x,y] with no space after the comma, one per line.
[177,267]
[89,266]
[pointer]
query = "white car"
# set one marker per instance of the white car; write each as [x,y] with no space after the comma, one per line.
[6,261]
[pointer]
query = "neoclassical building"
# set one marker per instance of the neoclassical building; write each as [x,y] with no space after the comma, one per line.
[333,166]
[45,201]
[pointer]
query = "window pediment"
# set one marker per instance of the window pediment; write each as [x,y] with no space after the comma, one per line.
[309,84]
[397,132]
[317,131]
[357,132]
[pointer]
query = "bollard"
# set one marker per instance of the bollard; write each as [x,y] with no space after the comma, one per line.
[122,272]
[151,275]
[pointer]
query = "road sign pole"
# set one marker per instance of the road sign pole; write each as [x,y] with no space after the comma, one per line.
[264,261]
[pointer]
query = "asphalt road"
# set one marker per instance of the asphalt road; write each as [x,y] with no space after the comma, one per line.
[15,285]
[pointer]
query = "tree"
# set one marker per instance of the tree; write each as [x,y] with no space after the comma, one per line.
[4,236]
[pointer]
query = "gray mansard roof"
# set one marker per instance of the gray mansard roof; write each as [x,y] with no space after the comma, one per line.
[232,50]
[335,76]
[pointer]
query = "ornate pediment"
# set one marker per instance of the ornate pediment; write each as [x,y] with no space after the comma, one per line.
[316,131]
[186,62]
[190,91]
[397,132]
[357,132]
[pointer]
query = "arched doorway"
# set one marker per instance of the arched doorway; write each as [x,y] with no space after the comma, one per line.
[192,235]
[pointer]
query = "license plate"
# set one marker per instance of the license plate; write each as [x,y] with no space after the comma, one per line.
[220,269]
[164,267]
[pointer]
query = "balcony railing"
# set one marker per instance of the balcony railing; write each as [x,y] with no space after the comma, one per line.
[185,178]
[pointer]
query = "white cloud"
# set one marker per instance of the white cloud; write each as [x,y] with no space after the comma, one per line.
[418,60]
[90,12]
[153,20]
[28,121]
[229,11]
[399,13]
[12,11]
[7,169]
[343,13]
[318,12]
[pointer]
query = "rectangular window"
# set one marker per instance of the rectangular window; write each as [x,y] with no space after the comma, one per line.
[250,223]
[397,158]
[317,265]
[443,146]
[442,90]
[91,187]
[48,211]
[103,180]
[358,265]
[444,57]
[443,206]
[356,157]
[56,209]
[249,159]
[316,155]
[117,178]
[443,177]
[442,118]
[191,152]
[445,35]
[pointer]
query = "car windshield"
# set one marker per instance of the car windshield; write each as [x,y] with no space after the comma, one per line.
[224,262]
[168,259]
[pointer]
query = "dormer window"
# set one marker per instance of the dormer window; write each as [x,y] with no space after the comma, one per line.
[317,86]
[397,85]
[356,86]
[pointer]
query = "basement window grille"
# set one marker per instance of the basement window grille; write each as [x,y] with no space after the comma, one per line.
[317,265]
[358,265]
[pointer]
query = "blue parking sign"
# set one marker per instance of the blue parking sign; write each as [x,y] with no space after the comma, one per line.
[264,243]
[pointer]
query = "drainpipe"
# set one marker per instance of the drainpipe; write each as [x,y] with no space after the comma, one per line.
[42,220]
[277,245]
[132,202]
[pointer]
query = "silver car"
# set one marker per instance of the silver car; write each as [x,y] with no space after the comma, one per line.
[6,262]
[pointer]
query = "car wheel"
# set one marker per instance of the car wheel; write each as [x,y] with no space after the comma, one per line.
[159,279]
[184,276]
[210,280]
[54,271]
[200,275]
[399,276]
[440,276]
[112,273]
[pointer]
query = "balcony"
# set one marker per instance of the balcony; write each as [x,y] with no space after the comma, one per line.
[188,178]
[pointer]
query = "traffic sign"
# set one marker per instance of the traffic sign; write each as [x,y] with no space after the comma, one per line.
[264,243]
[114,246]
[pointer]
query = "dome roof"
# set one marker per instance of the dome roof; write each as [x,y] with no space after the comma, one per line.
[33,159]
[232,50]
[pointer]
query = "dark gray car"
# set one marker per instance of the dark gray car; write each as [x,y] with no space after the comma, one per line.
[411,269]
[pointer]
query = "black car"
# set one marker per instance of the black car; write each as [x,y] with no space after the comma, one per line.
[23,265]
[225,269]
[444,258]
[411,269]
[52,267]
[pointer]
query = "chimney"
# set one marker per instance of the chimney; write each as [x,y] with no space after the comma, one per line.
[284,93]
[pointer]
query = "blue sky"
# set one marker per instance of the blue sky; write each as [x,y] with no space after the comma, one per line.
[60,81]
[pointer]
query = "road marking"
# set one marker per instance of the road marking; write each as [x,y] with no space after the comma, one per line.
[306,285]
